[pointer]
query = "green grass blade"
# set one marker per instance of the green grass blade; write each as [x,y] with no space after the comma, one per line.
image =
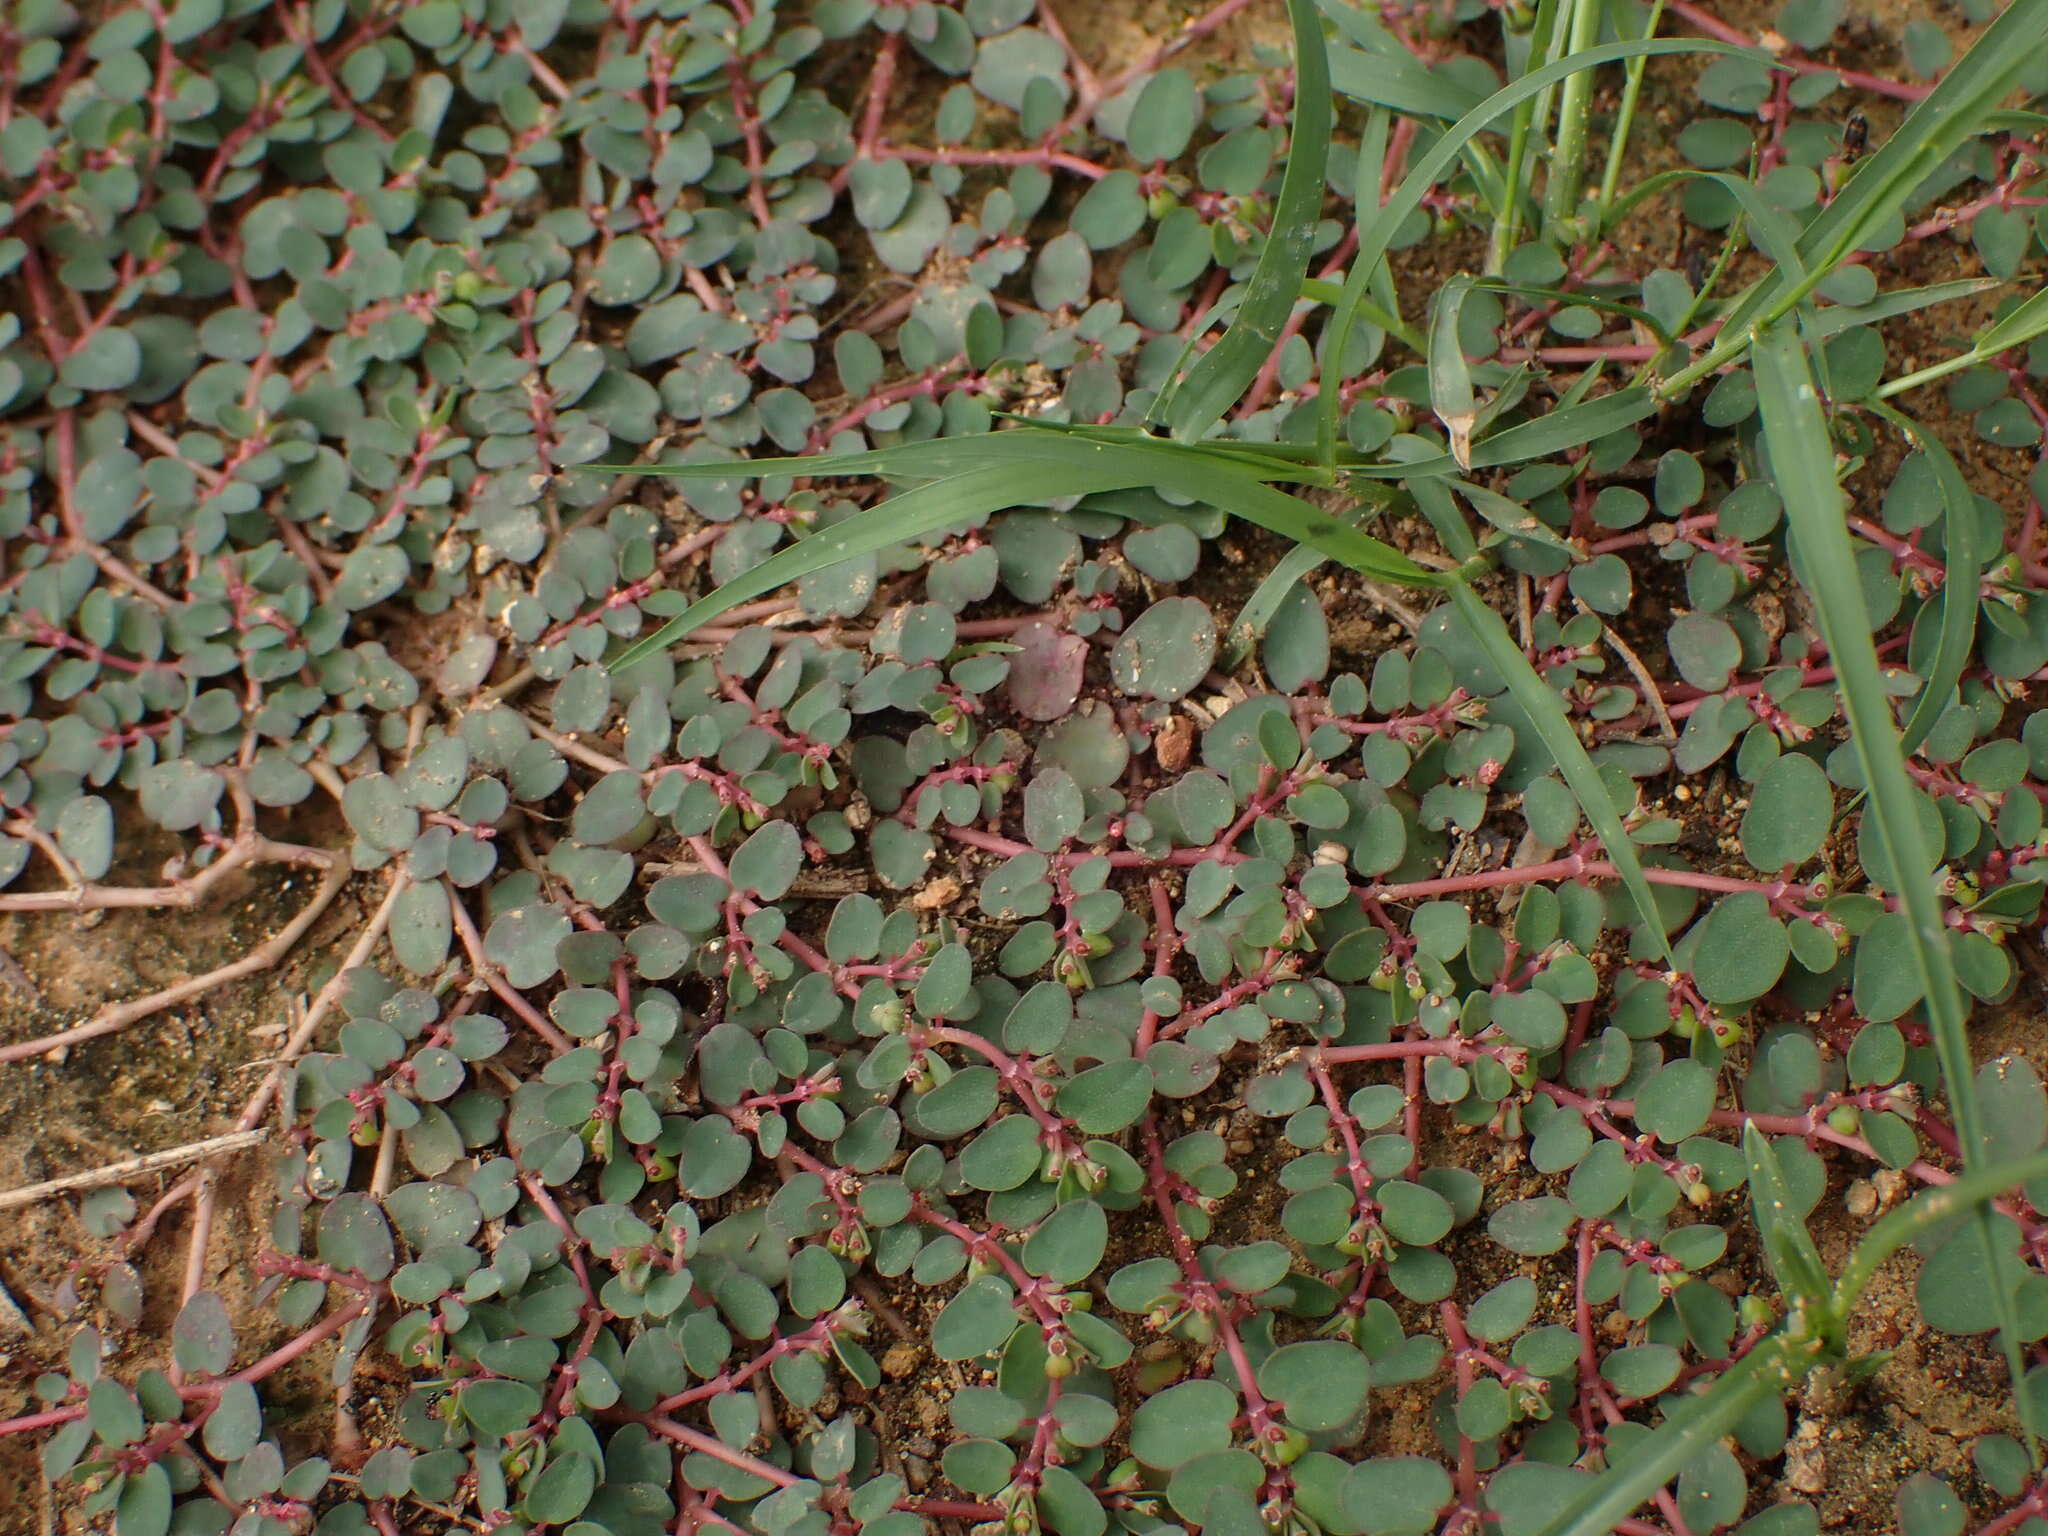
[1691,1428]
[1803,462]
[1823,324]
[1368,311]
[1540,703]
[1512,518]
[1252,500]
[1374,237]
[1377,232]
[1265,601]
[1788,1246]
[1222,374]
[1548,434]
[1027,443]
[1571,427]
[934,459]
[1512,390]
[1562,296]
[1433,499]
[1042,467]
[1926,1210]
[926,509]
[1959,590]
[1295,462]
[1525,51]
[2023,324]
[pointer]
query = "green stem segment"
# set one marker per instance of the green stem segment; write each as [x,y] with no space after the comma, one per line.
[1624,121]
[1574,110]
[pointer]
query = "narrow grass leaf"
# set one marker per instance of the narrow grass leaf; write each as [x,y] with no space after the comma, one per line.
[1265,601]
[1551,433]
[1513,519]
[1558,431]
[1539,701]
[1243,496]
[1525,51]
[1694,1426]
[914,513]
[1803,463]
[2023,324]
[2027,320]
[1624,121]
[1802,460]
[1045,468]
[1219,379]
[933,459]
[1788,1246]
[1432,494]
[1564,175]
[1563,296]
[1925,1211]
[1330,293]
[1823,324]
[1959,588]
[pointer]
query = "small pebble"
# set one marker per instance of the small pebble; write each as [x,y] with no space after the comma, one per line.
[901,1359]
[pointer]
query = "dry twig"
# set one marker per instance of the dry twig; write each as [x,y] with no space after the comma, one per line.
[131,1168]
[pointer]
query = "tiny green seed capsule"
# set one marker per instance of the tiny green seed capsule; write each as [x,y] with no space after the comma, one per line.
[1845,1119]
[1727,1032]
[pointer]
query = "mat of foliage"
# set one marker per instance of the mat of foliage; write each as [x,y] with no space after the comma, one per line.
[1174,1020]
